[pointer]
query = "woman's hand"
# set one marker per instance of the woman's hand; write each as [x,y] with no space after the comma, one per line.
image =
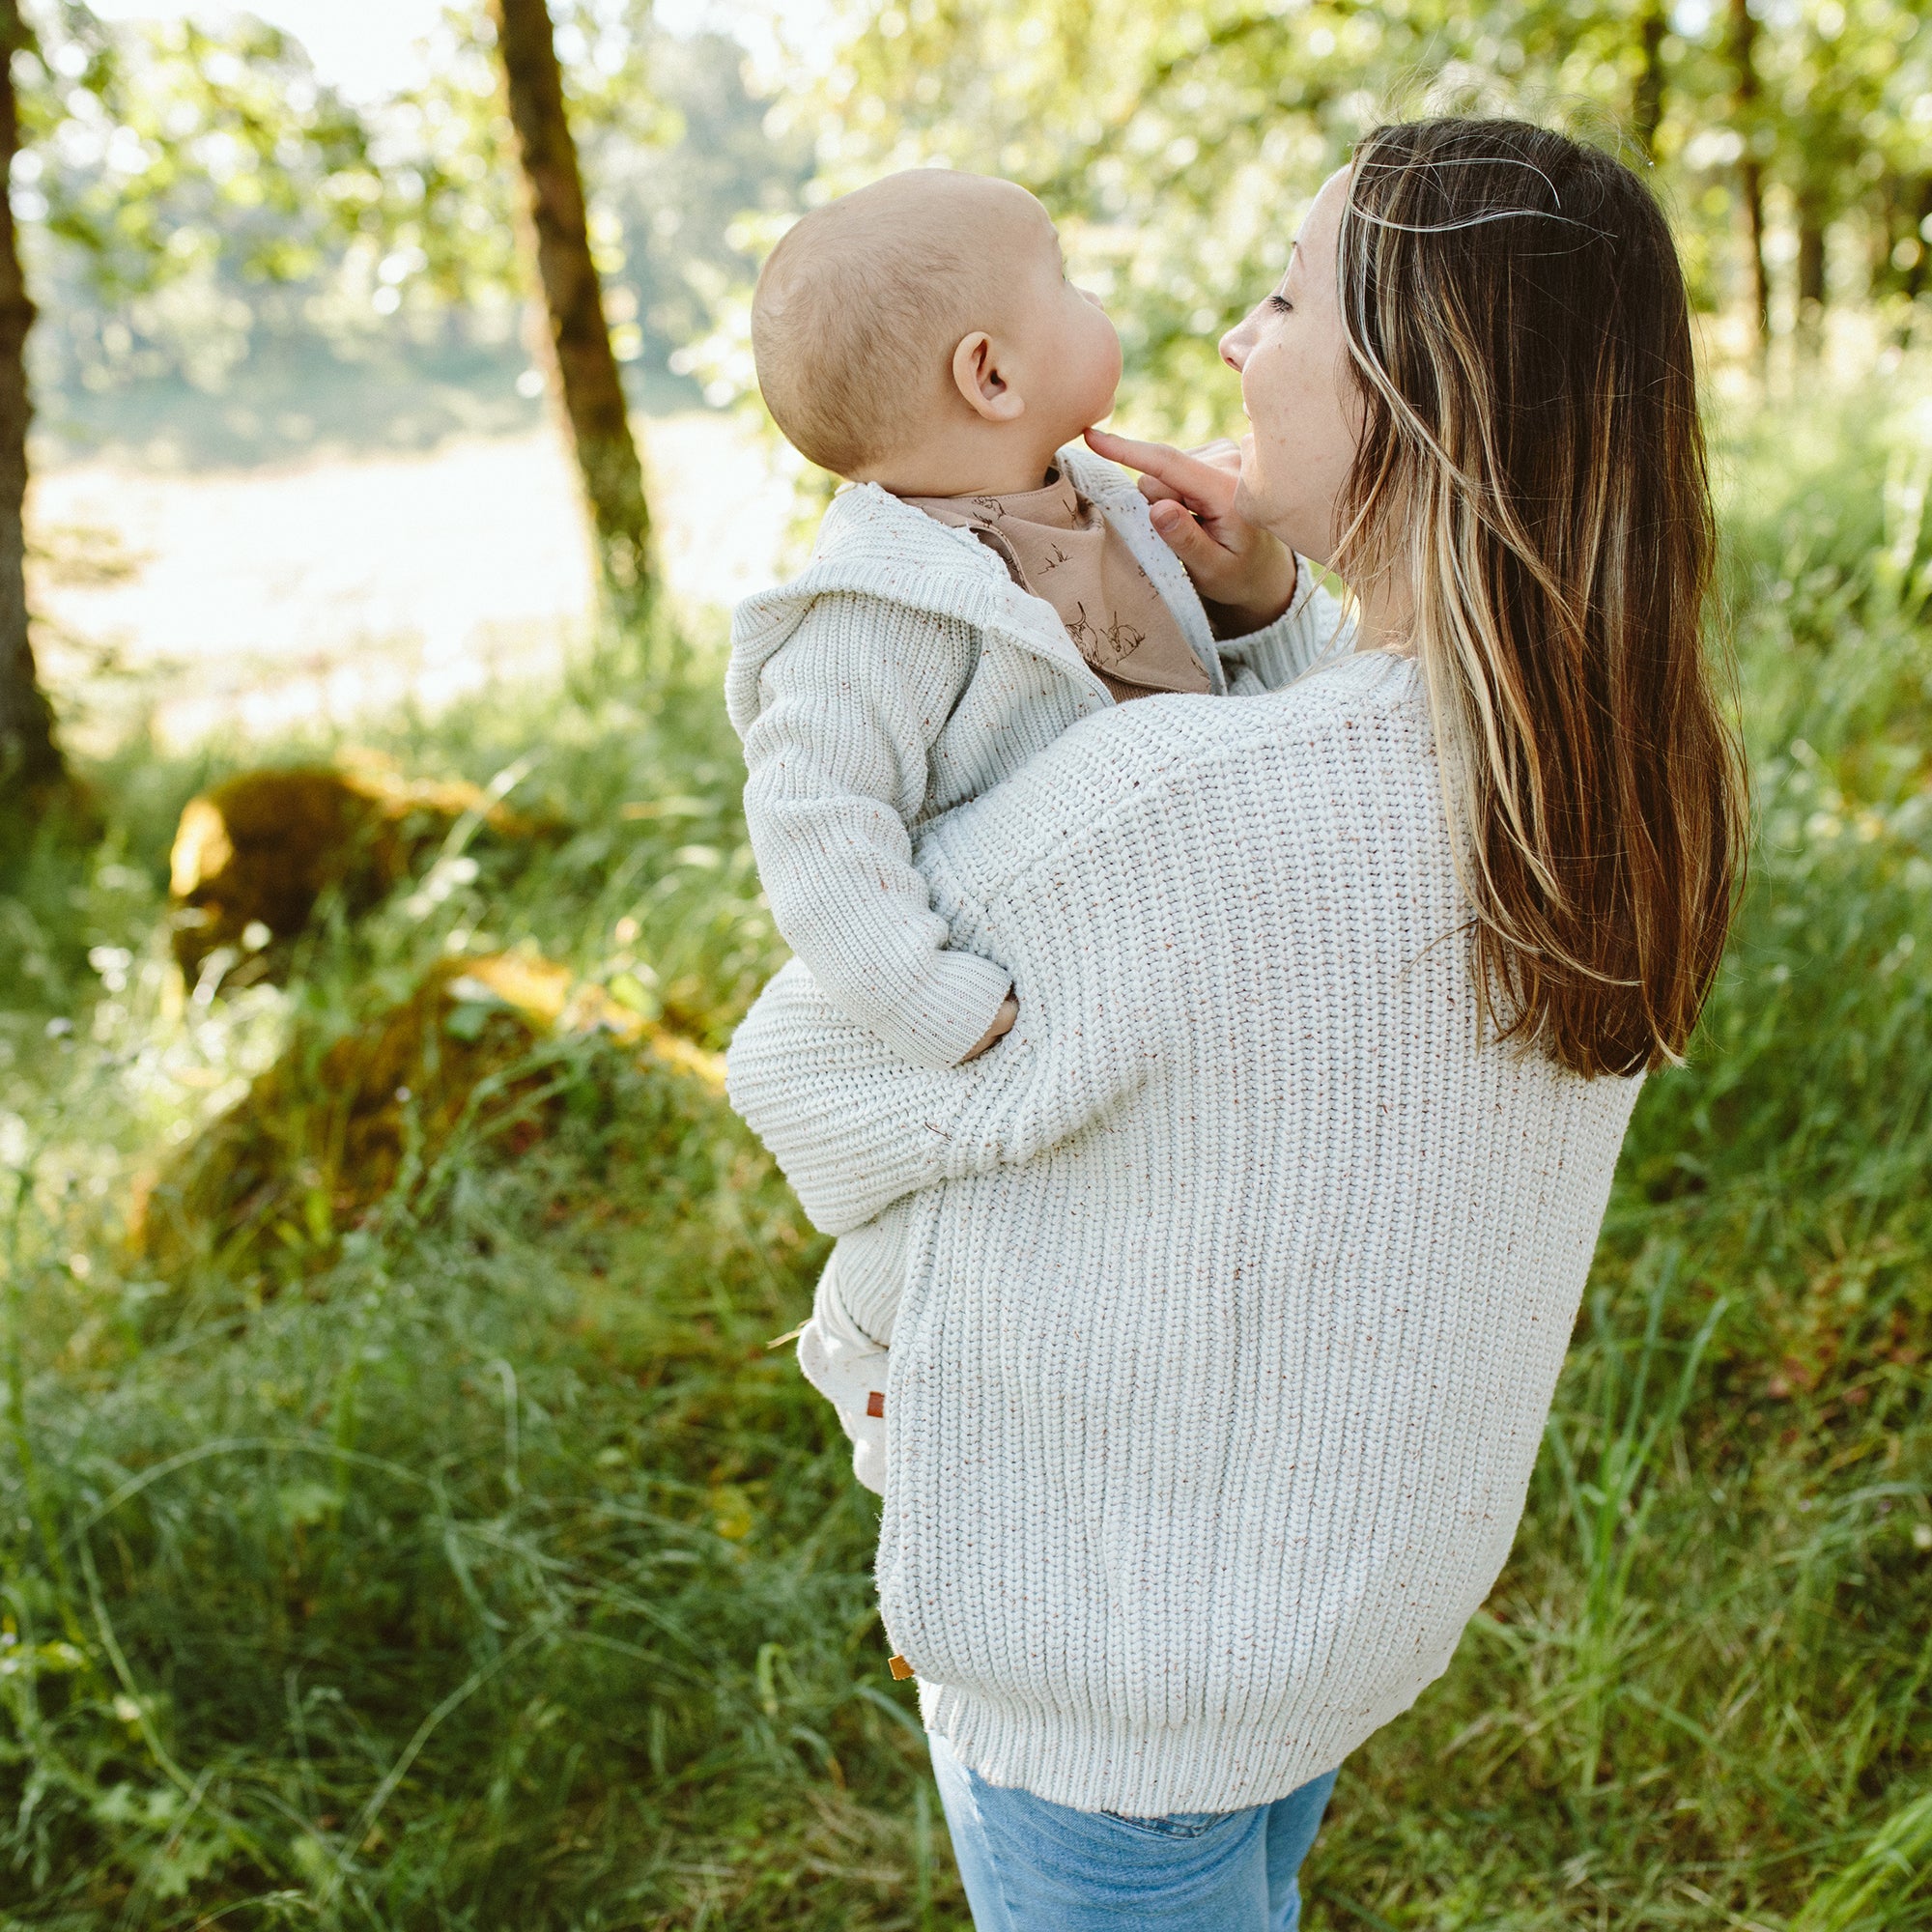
[1003,1025]
[1245,575]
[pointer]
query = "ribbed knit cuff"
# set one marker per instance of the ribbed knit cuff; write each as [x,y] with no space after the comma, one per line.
[863,1281]
[1099,1763]
[1304,589]
[943,1019]
[1301,638]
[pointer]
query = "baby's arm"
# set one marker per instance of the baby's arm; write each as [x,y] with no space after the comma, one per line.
[838,756]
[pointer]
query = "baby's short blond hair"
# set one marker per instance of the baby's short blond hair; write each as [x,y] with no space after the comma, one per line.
[861,304]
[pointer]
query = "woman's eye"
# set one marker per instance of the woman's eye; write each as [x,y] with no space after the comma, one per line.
[1279,304]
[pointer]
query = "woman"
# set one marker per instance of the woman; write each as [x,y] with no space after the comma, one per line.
[1239,1278]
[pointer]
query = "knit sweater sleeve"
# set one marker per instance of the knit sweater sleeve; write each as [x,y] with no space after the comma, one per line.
[1313,628]
[855,1128]
[838,761]
[1056,870]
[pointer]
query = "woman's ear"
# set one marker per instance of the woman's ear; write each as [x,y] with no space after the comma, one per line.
[976,374]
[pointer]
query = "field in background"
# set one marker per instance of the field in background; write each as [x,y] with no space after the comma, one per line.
[302,596]
[477,1565]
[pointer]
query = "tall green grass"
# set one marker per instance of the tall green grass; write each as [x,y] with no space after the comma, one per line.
[485,1568]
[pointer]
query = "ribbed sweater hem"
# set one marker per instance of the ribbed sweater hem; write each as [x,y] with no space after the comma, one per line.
[1101,1763]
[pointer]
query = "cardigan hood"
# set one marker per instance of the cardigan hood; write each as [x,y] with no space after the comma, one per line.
[871,544]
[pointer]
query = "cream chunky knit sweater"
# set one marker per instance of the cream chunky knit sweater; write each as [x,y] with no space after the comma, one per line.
[1239,1274]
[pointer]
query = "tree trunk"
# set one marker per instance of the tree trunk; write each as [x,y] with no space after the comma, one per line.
[1647,103]
[1911,211]
[30,761]
[1750,168]
[579,340]
[1810,267]
[1919,217]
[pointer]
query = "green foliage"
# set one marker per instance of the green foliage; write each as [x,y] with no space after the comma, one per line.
[154,149]
[498,1564]
[200,210]
[1179,145]
[493,1572]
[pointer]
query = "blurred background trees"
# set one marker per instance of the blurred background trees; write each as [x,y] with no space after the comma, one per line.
[393,312]
[1793,144]
[142,156]
[208,220]
[233,261]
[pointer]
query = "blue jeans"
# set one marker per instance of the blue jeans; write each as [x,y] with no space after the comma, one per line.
[1034,1866]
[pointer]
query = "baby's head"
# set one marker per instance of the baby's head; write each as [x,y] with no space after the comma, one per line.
[922,334]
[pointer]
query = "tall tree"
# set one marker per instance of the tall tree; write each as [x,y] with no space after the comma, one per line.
[30,761]
[579,335]
[1647,98]
[1813,211]
[1747,92]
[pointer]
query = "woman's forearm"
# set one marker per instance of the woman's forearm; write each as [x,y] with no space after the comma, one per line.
[855,1128]
[853,1125]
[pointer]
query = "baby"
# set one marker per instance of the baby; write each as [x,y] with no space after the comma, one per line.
[984,583]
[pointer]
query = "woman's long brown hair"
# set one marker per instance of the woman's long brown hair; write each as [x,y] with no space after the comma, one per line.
[1532,462]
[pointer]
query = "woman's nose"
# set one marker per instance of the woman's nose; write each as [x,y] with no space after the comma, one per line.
[1236,343]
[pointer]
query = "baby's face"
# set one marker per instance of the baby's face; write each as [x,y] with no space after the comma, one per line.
[1070,355]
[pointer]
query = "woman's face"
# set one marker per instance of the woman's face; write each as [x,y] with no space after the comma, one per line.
[1304,410]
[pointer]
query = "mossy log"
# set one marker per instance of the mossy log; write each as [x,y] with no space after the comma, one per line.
[253,855]
[321,1140]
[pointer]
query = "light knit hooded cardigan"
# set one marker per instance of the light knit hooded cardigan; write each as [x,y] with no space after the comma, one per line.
[901,674]
[1239,1275]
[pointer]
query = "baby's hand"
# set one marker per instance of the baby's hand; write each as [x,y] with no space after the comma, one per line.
[1003,1024]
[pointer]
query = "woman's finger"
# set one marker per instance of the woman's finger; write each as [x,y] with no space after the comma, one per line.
[1181,532]
[1223,455]
[1200,485]
[1174,467]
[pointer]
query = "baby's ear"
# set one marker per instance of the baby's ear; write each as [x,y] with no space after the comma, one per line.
[976,374]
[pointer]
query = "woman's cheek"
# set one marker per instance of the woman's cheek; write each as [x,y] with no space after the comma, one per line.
[1255,496]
